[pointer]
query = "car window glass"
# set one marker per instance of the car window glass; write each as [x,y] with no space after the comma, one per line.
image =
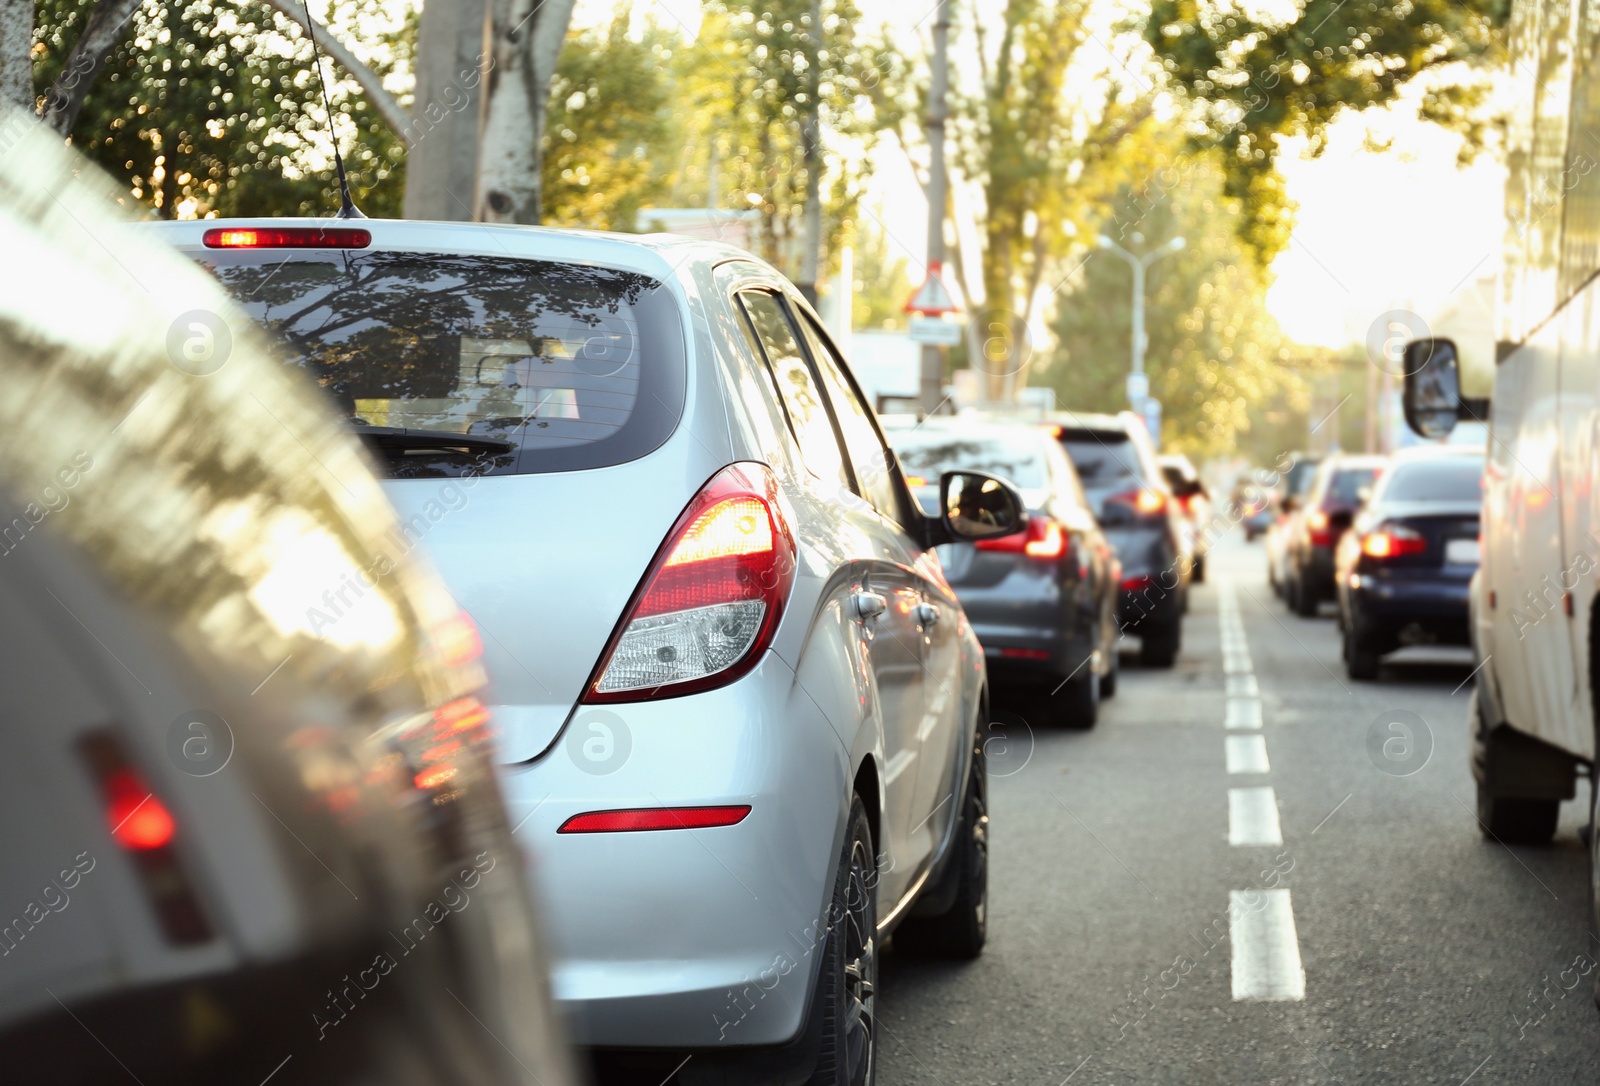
[1103,458]
[1066,476]
[801,397]
[1345,486]
[874,475]
[1445,480]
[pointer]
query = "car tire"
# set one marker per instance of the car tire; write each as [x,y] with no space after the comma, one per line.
[848,1055]
[960,932]
[1513,820]
[1108,681]
[1080,700]
[1198,571]
[1160,646]
[1361,655]
[1304,594]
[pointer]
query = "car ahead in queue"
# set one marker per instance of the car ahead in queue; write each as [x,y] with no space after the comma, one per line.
[1286,511]
[1253,506]
[739,707]
[1129,496]
[239,842]
[1403,569]
[1194,500]
[1341,486]
[1042,601]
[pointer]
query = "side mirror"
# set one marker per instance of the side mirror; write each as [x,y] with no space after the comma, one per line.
[975,506]
[1433,387]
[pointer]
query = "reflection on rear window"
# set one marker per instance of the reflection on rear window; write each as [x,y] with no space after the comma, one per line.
[1346,485]
[929,454]
[1447,480]
[575,367]
[1103,458]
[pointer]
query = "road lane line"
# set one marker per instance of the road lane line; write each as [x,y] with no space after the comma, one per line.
[1243,713]
[1243,686]
[1266,951]
[1253,817]
[1236,663]
[1247,754]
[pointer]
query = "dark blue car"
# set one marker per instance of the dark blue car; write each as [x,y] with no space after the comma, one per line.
[1403,570]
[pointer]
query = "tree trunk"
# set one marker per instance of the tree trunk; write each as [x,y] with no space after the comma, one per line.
[445,135]
[527,35]
[811,158]
[16,53]
[105,28]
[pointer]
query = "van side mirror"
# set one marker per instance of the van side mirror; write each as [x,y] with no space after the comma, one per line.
[1432,397]
[976,506]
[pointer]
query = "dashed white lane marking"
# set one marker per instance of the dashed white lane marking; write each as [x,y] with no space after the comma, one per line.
[1247,754]
[1266,951]
[1243,686]
[1253,817]
[1236,663]
[1243,713]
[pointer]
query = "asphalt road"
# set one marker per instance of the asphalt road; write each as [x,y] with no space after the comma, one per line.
[1130,942]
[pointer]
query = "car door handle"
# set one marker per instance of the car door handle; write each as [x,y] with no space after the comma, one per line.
[927,614]
[868,605]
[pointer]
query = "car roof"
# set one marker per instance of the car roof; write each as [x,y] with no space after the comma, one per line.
[658,255]
[1435,452]
[983,429]
[1356,461]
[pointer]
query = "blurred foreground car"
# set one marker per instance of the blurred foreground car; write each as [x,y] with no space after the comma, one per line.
[740,709]
[1116,463]
[1043,601]
[1341,486]
[1292,487]
[1403,570]
[1195,502]
[243,836]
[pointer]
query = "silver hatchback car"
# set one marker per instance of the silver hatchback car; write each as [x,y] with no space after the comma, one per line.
[740,709]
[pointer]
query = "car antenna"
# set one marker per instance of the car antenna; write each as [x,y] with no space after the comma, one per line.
[347,209]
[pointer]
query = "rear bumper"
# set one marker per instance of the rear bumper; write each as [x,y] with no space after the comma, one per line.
[1150,607]
[1442,601]
[687,938]
[1027,627]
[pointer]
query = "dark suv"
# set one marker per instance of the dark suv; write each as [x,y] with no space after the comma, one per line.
[1116,463]
[1339,490]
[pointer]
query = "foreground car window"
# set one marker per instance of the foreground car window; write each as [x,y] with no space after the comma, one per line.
[574,367]
[1449,480]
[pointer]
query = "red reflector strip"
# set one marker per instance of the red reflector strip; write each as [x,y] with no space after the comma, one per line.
[1134,584]
[288,237]
[1025,654]
[655,818]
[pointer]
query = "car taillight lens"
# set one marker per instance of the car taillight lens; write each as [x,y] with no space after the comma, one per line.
[1392,542]
[1144,502]
[1042,538]
[287,237]
[1317,528]
[709,604]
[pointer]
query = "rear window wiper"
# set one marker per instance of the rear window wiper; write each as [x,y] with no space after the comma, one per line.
[399,439]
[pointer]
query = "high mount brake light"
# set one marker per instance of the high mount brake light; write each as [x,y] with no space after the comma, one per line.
[1392,541]
[1042,538]
[710,603]
[287,237]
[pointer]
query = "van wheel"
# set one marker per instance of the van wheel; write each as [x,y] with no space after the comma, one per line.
[961,930]
[849,1051]
[1517,821]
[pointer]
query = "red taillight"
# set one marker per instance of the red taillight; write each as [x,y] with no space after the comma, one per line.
[655,818]
[712,598]
[1042,538]
[287,237]
[1317,528]
[1025,654]
[138,820]
[1392,542]
[1144,502]
[1137,584]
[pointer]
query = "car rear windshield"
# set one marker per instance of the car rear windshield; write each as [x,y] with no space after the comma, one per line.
[1347,483]
[927,454]
[570,366]
[1299,478]
[1449,479]
[1104,458]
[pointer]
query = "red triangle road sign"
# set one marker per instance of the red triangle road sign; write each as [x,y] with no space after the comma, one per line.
[931,298]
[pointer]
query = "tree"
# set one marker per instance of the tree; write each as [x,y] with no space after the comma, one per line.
[1260,79]
[528,36]
[1216,356]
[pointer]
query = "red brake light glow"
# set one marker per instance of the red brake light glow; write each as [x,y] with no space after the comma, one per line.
[711,600]
[138,820]
[655,818]
[1392,543]
[287,237]
[1042,538]
[1145,502]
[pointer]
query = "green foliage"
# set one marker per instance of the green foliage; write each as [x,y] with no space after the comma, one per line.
[1215,357]
[1260,80]
[882,279]
[208,106]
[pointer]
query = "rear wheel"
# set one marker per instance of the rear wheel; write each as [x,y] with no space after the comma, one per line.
[1080,705]
[1517,821]
[1108,681]
[961,930]
[1160,646]
[1198,570]
[1304,593]
[848,1056]
[1360,652]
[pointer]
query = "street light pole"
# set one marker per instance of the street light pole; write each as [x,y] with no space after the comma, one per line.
[931,389]
[1139,264]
